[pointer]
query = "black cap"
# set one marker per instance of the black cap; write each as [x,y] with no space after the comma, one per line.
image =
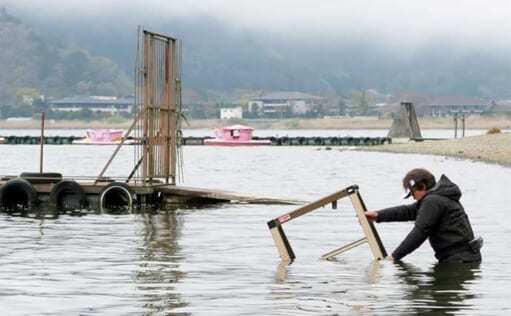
[418,179]
[409,188]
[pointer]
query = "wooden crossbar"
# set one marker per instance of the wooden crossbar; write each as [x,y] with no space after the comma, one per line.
[344,248]
[371,235]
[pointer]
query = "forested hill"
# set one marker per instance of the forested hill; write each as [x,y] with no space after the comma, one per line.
[223,56]
[29,61]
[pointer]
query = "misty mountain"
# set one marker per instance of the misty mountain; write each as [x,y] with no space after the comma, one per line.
[215,55]
[29,61]
[221,56]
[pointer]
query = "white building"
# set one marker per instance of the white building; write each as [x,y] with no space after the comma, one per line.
[231,113]
[279,104]
[450,105]
[104,104]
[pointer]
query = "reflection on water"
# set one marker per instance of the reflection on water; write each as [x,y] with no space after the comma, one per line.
[87,262]
[443,289]
[381,288]
[158,270]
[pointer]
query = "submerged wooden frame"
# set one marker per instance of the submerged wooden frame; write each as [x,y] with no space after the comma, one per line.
[371,235]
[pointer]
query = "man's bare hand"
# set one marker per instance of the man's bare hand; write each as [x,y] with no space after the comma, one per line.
[371,215]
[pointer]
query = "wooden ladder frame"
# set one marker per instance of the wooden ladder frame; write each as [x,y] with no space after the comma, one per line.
[371,235]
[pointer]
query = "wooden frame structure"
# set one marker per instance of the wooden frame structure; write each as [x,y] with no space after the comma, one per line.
[159,107]
[158,103]
[371,235]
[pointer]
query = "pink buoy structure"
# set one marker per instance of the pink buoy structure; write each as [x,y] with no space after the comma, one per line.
[235,135]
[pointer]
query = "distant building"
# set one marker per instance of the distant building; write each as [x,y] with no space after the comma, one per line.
[104,104]
[231,113]
[27,99]
[19,119]
[284,104]
[448,105]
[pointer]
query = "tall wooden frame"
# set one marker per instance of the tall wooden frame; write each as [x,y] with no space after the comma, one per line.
[371,235]
[158,105]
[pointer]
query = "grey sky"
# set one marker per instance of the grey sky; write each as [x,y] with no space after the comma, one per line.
[414,21]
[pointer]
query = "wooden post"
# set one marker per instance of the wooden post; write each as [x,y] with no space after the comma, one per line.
[368,227]
[41,154]
[463,125]
[456,125]
[283,247]
[145,108]
[173,114]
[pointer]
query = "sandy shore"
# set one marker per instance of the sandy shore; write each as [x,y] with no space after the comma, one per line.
[357,123]
[472,122]
[494,148]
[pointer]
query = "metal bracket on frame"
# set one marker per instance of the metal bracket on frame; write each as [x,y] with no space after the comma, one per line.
[371,235]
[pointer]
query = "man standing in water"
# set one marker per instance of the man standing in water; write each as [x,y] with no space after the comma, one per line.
[438,215]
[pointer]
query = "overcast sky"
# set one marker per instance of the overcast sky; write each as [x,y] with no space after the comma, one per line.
[481,22]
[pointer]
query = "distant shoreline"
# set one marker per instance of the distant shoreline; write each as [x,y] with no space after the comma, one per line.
[493,148]
[472,122]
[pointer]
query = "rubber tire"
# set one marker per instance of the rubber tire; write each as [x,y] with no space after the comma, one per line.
[39,178]
[16,187]
[118,186]
[70,189]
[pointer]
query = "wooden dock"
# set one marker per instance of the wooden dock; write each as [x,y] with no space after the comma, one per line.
[190,194]
[29,191]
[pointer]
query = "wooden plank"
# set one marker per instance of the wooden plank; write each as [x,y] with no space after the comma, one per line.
[221,195]
[159,35]
[151,117]
[173,115]
[368,227]
[145,106]
[41,153]
[283,247]
[95,188]
[119,146]
[344,248]
[315,205]
[164,112]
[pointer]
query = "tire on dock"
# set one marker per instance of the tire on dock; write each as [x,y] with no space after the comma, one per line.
[68,195]
[116,196]
[17,194]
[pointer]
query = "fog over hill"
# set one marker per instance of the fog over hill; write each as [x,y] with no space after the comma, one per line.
[436,48]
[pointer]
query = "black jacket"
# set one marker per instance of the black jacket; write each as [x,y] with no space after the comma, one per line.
[438,216]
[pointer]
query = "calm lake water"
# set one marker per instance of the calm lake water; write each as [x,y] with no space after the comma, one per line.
[221,260]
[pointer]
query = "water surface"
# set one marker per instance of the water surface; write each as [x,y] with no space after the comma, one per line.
[221,260]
